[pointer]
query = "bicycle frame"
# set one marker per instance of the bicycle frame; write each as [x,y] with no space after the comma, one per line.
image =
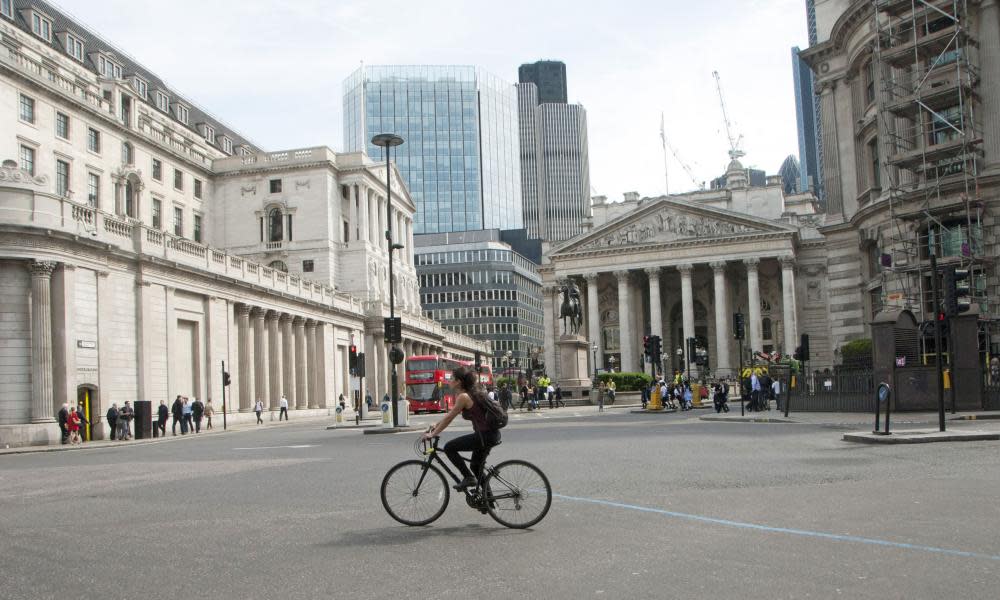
[433,455]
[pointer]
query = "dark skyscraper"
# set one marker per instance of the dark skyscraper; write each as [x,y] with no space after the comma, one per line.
[549,76]
[805,114]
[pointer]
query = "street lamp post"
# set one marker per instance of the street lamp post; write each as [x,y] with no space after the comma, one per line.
[593,349]
[388,141]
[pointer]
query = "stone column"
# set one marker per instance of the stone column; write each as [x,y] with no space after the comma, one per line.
[274,346]
[788,302]
[287,359]
[245,351]
[41,341]
[301,377]
[260,385]
[687,309]
[409,241]
[594,319]
[373,234]
[989,64]
[550,323]
[655,308]
[626,337]
[312,363]
[753,297]
[723,366]
[382,224]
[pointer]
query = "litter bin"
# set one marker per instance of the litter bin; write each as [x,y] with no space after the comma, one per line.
[143,423]
[402,412]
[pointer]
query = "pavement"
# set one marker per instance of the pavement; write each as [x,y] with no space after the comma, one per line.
[921,436]
[645,507]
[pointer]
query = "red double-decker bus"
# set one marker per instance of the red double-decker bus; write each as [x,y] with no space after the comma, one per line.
[428,383]
[485,373]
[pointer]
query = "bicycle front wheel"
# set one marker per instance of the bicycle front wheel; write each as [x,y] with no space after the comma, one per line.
[519,494]
[414,492]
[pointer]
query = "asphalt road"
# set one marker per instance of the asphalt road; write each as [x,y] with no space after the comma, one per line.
[646,507]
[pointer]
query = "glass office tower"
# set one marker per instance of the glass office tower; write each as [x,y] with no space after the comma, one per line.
[461,159]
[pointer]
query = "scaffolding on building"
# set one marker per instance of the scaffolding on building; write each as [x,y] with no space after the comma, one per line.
[924,80]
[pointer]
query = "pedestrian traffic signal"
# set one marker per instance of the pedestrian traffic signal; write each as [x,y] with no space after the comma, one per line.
[656,343]
[359,370]
[225,379]
[352,360]
[739,327]
[645,346]
[957,291]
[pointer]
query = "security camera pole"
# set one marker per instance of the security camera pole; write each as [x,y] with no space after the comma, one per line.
[393,328]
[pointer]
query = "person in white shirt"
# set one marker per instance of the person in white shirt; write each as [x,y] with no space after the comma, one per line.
[550,391]
[259,408]
[284,408]
[776,391]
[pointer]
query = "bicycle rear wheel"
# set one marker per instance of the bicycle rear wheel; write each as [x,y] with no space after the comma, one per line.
[518,494]
[414,492]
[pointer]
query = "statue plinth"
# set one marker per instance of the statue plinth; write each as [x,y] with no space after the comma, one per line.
[573,370]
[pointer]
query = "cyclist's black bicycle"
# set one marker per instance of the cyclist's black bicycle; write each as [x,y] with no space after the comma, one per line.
[515,493]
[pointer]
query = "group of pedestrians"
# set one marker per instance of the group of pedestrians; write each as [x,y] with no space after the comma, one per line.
[72,424]
[760,389]
[533,394]
[187,413]
[677,394]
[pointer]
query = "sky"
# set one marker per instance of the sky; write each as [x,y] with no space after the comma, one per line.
[273,71]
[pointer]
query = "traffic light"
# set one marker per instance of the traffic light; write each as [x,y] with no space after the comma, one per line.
[225,379]
[352,361]
[958,291]
[657,348]
[739,326]
[646,346]
[359,371]
[797,355]
[692,345]
[479,361]
[804,347]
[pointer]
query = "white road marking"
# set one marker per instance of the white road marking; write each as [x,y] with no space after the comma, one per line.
[276,447]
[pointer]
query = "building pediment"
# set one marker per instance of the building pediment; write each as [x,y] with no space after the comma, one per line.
[669,220]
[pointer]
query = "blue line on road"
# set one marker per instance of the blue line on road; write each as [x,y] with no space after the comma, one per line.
[802,532]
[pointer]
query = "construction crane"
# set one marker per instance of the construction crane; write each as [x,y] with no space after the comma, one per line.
[735,151]
[667,145]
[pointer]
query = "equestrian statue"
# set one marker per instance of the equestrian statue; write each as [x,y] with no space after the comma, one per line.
[571,308]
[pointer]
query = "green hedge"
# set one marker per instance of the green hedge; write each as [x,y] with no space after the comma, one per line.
[857,352]
[627,382]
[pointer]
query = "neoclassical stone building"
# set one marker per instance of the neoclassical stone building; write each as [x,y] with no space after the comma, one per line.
[143,242]
[909,96]
[679,266]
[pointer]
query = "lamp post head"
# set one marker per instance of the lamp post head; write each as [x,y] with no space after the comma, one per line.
[387,140]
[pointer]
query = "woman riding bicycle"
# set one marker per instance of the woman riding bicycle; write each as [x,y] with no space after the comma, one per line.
[469,401]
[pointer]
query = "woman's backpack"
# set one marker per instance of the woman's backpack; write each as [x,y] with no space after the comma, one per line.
[496,416]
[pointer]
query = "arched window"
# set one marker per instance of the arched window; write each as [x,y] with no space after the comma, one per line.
[131,198]
[765,326]
[278,265]
[274,225]
[127,154]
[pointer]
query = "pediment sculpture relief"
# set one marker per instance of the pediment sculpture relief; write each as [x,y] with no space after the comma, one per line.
[667,226]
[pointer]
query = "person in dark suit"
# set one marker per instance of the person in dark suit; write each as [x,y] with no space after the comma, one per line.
[63,419]
[161,417]
[197,411]
[113,420]
[177,409]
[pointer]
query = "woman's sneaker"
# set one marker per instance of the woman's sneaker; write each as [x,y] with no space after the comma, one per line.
[468,482]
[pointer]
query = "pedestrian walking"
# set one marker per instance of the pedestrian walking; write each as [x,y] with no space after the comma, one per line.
[342,402]
[187,412]
[161,418]
[368,399]
[177,409]
[112,417]
[755,392]
[259,408]
[283,408]
[776,392]
[612,391]
[550,394]
[197,412]
[559,397]
[602,389]
[125,416]
[64,422]
[209,411]
[84,423]
[524,396]
[73,427]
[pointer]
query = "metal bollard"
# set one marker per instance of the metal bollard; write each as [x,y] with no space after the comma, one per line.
[882,394]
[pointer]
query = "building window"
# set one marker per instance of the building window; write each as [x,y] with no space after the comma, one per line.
[131,198]
[288,223]
[94,190]
[157,214]
[62,177]
[197,188]
[182,114]
[197,228]
[162,102]
[62,126]
[870,82]
[93,140]
[307,266]
[876,170]
[275,186]
[157,170]
[41,26]
[128,155]
[140,87]
[227,145]
[109,68]
[7,8]
[74,47]
[209,134]
[178,221]
[945,125]
[274,225]
[27,109]
[28,159]
[178,179]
